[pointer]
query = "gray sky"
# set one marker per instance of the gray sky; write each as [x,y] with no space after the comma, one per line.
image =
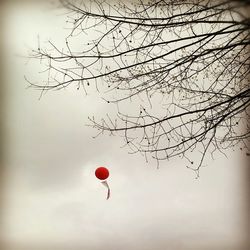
[52,196]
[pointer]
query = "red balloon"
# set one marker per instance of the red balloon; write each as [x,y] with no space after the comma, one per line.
[102,173]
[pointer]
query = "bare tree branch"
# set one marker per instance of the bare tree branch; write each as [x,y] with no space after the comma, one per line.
[183,65]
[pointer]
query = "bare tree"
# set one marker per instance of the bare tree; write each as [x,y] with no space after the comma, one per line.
[183,64]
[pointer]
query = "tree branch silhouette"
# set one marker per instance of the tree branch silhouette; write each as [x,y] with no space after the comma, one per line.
[184,66]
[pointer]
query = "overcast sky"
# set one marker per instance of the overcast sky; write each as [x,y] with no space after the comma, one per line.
[52,197]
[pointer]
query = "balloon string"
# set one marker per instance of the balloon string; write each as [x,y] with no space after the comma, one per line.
[105,183]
